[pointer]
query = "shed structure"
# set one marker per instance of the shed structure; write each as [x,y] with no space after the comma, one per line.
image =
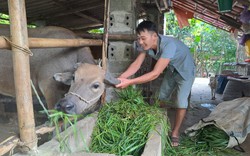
[84,15]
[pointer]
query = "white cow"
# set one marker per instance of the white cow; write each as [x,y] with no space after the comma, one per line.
[50,64]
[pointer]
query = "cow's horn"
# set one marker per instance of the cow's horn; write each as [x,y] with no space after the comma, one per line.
[109,79]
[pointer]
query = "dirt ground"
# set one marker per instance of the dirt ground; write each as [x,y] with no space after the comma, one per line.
[200,96]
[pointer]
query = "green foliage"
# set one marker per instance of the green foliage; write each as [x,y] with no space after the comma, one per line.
[122,127]
[62,121]
[210,46]
[192,148]
[96,31]
[4,19]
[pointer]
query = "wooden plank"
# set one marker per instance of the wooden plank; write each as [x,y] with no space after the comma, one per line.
[8,144]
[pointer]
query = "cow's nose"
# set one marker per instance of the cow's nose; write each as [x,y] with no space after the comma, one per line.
[68,108]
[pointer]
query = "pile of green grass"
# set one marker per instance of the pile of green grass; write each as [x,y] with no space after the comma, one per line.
[208,141]
[123,126]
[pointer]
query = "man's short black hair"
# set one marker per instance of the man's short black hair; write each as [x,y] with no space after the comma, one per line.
[146,25]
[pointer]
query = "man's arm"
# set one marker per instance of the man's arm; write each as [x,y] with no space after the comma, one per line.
[134,67]
[159,67]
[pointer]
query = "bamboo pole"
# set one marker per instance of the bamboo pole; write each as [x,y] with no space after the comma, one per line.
[105,42]
[105,35]
[19,33]
[52,43]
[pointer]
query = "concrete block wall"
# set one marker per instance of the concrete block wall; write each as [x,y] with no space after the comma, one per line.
[120,53]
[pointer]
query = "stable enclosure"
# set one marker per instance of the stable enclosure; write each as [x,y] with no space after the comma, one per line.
[115,47]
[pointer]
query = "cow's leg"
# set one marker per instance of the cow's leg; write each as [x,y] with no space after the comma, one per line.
[213,94]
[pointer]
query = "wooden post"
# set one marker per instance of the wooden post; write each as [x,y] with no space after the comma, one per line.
[105,42]
[19,33]
[105,36]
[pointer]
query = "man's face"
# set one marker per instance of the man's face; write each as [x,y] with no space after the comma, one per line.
[147,39]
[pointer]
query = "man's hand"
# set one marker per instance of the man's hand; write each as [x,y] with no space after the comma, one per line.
[124,83]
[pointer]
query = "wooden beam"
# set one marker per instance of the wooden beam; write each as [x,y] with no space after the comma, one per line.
[13,141]
[21,65]
[77,13]
[244,2]
[88,17]
[89,26]
[72,11]
[229,20]
[52,43]
[189,8]
[158,6]
[68,12]
[165,2]
[216,21]
[8,144]
[119,37]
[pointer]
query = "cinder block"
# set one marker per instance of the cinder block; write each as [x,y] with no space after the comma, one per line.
[118,66]
[121,22]
[120,51]
[126,5]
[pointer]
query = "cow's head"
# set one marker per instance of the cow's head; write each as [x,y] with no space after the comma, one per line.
[86,88]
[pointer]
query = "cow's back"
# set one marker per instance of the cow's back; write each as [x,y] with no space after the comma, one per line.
[45,62]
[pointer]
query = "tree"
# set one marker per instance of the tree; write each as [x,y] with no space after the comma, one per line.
[211,47]
[4,19]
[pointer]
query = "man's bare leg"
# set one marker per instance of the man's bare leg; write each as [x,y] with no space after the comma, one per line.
[179,116]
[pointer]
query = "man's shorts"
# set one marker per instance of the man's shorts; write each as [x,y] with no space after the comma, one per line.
[172,81]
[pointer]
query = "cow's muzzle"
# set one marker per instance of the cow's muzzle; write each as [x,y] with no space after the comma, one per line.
[66,106]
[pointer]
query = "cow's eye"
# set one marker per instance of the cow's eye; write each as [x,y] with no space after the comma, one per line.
[73,77]
[96,85]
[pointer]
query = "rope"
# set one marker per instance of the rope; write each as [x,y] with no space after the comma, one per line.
[39,99]
[81,98]
[25,50]
[22,144]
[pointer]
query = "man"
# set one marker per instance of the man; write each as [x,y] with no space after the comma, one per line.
[172,55]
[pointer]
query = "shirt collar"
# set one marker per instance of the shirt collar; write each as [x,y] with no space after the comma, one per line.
[158,44]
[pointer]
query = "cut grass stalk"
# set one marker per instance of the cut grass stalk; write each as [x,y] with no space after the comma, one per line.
[125,124]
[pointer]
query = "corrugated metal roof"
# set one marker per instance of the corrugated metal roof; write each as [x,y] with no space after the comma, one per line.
[207,11]
[72,14]
[87,14]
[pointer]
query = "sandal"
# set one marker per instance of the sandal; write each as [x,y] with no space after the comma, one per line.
[175,141]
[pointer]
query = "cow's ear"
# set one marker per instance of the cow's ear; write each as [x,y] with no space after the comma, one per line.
[65,78]
[110,80]
[77,65]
